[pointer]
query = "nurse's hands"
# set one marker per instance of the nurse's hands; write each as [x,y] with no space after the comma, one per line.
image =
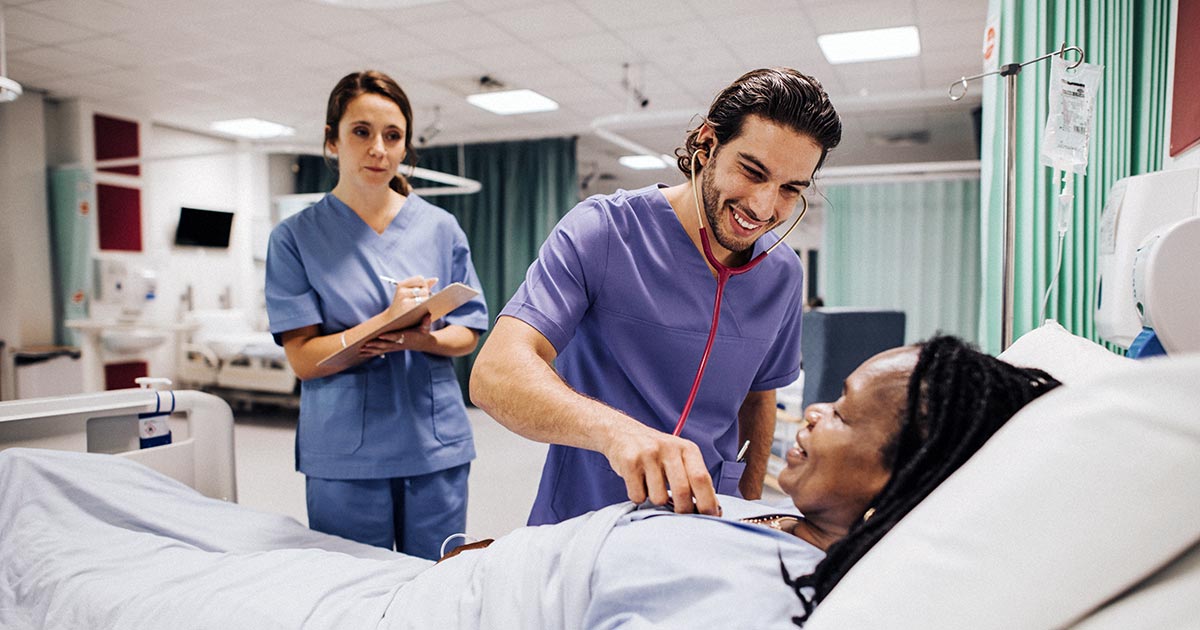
[410,292]
[651,461]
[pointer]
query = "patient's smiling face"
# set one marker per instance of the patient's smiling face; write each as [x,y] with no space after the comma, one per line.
[836,468]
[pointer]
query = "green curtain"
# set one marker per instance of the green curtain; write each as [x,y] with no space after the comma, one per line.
[910,246]
[72,199]
[1129,38]
[527,187]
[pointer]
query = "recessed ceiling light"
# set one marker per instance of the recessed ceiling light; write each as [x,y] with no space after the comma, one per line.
[510,102]
[875,45]
[252,128]
[642,162]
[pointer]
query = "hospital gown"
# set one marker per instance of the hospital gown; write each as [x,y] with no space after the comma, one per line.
[93,541]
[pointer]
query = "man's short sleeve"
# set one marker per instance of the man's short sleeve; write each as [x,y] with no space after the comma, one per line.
[567,276]
[781,366]
[291,300]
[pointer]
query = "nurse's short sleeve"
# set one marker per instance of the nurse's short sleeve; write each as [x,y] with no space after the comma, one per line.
[291,300]
[781,366]
[567,275]
[473,314]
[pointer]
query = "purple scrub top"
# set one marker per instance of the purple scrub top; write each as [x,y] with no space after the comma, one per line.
[626,299]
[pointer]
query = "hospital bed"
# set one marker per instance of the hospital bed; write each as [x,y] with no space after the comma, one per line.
[226,356]
[1080,513]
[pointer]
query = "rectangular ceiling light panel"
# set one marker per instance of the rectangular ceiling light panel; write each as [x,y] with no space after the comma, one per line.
[875,45]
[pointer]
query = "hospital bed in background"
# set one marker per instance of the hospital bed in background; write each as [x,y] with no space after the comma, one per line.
[200,453]
[228,357]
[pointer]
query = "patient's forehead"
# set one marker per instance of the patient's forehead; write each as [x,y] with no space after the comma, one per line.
[883,379]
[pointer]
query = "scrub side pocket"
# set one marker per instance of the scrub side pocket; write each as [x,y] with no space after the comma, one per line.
[332,414]
[450,422]
[728,476]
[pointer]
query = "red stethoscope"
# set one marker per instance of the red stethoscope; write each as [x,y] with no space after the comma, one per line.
[724,273]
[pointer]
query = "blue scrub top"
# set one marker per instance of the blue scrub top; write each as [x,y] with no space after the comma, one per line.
[626,299]
[398,415]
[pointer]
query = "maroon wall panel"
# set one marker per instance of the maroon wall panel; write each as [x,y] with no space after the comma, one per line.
[119,216]
[121,375]
[1185,104]
[116,138]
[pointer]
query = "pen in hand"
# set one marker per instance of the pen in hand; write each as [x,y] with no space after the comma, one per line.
[741,456]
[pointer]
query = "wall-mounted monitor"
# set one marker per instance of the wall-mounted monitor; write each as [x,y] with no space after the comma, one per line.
[203,228]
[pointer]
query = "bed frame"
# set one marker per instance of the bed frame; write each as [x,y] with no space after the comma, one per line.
[201,453]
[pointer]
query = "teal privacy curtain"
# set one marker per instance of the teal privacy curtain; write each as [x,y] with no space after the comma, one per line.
[1129,38]
[72,200]
[527,187]
[911,246]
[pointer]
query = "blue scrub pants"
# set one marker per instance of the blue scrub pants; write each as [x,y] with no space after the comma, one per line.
[413,515]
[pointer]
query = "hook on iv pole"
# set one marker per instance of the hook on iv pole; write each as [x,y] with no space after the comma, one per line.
[1062,51]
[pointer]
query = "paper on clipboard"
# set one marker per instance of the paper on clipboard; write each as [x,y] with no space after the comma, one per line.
[437,306]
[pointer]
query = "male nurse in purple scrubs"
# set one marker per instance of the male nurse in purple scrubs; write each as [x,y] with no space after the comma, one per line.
[596,352]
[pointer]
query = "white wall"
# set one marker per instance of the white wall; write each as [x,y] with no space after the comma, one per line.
[26,307]
[230,178]
[1190,157]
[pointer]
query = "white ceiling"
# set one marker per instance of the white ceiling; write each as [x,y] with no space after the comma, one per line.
[188,63]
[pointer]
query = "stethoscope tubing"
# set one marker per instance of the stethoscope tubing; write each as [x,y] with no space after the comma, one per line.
[724,273]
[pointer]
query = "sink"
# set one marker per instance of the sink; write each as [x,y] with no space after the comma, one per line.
[131,341]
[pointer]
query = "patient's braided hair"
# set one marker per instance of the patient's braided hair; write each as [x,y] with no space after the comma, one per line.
[957,398]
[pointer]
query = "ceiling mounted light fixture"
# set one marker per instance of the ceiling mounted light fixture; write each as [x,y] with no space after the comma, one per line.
[252,128]
[874,45]
[642,162]
[9,90]
[494,98]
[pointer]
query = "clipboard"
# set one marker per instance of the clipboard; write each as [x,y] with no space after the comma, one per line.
[437,306]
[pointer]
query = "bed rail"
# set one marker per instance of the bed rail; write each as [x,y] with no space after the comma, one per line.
[201,454]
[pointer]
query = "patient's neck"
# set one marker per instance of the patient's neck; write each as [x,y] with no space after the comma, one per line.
[818,534]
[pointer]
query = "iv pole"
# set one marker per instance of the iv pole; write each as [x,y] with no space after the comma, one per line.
[1008,200]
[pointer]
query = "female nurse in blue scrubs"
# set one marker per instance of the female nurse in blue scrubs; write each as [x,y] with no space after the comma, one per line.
[385,445]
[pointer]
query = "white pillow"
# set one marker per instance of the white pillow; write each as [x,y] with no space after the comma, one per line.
[1066,357]
[1084,493]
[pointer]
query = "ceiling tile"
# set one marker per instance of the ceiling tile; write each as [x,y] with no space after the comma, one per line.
[37,28]
[467,32]
[589,48]
[546,21]
[51,57]
[621,14]
[94,15]
[858,15]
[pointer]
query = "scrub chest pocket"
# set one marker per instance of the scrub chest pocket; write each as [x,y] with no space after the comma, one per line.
[332,414]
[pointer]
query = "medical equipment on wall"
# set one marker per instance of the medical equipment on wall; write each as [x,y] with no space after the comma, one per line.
[127,287]
[1009,201]
[724,273]
[1139,208]
[1166,289]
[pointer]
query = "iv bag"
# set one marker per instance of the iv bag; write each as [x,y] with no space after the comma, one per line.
[1072,112]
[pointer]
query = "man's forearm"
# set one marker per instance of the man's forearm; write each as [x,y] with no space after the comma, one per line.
[520,390]
[756,423]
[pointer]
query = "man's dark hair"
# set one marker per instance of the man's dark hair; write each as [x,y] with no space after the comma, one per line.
[957,398]
[782,96]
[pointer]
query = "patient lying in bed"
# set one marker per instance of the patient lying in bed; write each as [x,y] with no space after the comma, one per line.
[94,541]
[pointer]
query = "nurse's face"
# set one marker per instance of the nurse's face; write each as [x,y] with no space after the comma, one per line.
[836,468]
[752,182]
[370,140]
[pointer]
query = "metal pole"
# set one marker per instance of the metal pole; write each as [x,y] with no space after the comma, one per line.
[1009,201]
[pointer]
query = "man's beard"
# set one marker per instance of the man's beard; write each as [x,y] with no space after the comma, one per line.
[718,229]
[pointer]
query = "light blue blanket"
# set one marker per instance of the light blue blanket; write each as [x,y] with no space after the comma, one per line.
[96,541]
